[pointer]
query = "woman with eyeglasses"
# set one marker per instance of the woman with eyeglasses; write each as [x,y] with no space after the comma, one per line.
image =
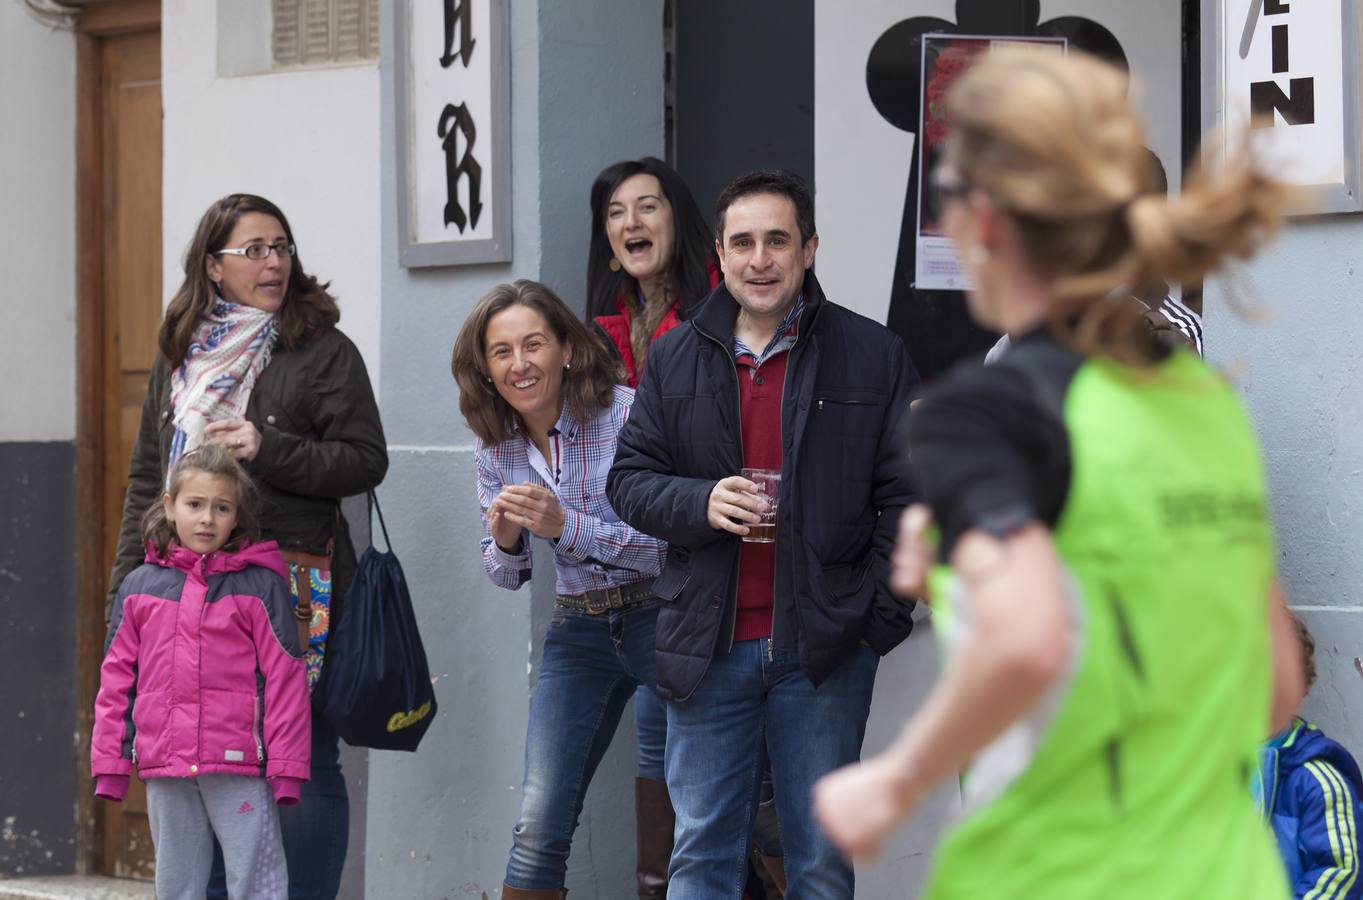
[251,359]
[1117,640]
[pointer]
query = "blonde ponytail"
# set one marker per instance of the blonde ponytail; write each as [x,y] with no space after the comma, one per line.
[1054,142]
[1231,212]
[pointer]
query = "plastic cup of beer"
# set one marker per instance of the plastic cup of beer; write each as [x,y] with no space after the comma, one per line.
[768,483]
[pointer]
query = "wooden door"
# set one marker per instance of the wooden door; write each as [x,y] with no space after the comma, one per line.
[131,97]
[120,216]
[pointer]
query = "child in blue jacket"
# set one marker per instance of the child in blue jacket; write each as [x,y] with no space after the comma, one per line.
[1308,787]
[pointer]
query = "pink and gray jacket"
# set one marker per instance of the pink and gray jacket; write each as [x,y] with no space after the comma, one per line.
[202,674]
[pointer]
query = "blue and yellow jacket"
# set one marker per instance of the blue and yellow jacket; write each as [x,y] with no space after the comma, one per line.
[1309,788]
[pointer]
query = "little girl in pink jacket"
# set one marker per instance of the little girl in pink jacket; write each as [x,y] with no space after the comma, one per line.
[202,690]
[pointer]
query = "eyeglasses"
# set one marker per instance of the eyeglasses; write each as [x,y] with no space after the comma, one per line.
[948,189]
[260,251]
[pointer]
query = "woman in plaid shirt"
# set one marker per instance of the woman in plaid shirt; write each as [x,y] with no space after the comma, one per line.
[541,394]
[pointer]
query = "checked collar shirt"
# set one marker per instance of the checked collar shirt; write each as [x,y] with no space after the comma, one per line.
[596,549]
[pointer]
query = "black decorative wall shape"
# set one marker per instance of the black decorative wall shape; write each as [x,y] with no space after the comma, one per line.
[935,324]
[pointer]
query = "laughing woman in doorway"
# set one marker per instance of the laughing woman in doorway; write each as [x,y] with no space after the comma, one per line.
[1118,642]
[541,393]
[650,261]
[251,359]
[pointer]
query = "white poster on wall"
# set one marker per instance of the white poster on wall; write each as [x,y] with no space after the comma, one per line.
[862,159]
[945,57]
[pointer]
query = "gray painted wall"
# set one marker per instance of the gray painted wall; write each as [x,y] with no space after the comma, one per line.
[902,682]
[1300,370]
[38,228]
[440,820]
[37,659]
[38,762]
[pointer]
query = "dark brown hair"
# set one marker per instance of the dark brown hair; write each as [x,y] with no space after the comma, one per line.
[211,459]
[779,182]
[693,253]
[307,307]
[587,386]
[1054,142]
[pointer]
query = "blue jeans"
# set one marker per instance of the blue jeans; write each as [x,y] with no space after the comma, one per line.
[591,667]
[316,830]
[754,695]
[650,725]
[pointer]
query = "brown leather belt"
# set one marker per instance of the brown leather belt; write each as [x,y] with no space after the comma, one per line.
[595,603]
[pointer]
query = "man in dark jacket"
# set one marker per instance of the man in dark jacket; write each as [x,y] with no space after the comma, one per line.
[767,646]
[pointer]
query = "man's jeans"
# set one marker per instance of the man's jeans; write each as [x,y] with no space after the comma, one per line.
[650,724]
[758,694]
[591,667]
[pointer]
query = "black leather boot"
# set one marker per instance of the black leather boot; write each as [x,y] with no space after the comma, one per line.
[654,821]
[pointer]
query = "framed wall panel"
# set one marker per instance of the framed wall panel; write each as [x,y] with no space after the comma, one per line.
[1294,67]
[453,143]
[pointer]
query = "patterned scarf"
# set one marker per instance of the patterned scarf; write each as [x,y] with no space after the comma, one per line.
[230,348]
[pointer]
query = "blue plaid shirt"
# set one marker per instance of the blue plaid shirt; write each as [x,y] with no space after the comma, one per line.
[596,549]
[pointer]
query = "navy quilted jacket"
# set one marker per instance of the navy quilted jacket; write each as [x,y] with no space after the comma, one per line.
[843,485]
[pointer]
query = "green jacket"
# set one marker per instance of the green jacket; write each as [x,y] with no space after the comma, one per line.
[1128,779]
[321,441]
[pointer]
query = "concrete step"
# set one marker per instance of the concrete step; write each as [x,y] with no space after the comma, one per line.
[75,887]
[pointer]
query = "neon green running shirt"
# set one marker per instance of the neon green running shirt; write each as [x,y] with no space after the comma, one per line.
[1129,779]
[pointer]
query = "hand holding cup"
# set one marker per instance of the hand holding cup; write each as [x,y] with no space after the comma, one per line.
[735,505]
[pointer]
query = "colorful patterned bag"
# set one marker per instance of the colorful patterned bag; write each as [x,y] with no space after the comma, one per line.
[310,585]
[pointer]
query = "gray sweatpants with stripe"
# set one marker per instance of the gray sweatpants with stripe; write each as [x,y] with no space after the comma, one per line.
[186,813]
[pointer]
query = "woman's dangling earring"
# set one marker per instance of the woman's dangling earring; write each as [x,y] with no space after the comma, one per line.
[567,365]
[614,264]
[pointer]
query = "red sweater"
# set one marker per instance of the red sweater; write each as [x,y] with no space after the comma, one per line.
[759,398]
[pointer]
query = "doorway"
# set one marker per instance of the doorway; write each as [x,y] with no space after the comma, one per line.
[740,81]
[118,158]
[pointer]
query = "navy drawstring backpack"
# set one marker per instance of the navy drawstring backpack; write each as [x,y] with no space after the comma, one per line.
[376,686]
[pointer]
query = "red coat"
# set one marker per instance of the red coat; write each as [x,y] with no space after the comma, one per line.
[616,328]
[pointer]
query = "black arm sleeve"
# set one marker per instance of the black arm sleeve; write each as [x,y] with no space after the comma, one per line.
[990,452]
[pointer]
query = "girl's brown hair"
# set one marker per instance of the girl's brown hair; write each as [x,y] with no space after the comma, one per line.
[1053,141]
[587,386]
[307,307]
[212,459]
